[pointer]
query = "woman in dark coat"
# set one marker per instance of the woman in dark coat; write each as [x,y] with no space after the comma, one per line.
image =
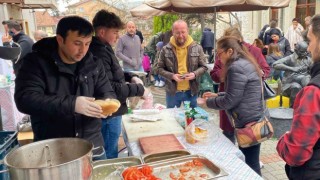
[242,97]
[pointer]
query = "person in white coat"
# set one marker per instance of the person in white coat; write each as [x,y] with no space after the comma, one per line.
[294,33]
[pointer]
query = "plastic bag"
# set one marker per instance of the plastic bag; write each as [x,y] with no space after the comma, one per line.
[148,102]
[25,124]
[200,132]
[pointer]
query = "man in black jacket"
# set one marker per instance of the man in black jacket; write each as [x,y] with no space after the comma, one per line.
[58,83]
[107,26]
[207,42]
[18,36]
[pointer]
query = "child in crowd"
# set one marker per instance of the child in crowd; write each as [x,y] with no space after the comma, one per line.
[159,81]
[273,55]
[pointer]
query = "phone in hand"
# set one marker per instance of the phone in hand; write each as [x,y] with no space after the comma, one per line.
[183,76]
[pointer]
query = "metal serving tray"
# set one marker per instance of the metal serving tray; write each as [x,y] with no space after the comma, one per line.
[162,169]
[164,156]
[111,169]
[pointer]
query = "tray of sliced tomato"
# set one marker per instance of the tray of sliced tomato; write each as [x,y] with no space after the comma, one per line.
[143,172]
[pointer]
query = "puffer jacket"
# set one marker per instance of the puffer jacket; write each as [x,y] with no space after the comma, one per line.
[47,89]
[168,66]
[242,96]
[105,53]
[270,60]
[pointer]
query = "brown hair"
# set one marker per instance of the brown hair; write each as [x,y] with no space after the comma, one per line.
[258,43]
[232,31]
[239,51]
[315,25]
[274,49]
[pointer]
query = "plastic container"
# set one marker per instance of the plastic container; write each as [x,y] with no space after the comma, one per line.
[8,142]
[200,132]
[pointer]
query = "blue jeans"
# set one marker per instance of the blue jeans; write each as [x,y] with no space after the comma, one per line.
[158,77]
[179,97]
[252,154]
[111,129]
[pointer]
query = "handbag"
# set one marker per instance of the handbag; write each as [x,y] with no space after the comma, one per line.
[254,132]
[268,92]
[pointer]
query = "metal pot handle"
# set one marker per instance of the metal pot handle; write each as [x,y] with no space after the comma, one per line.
[3,171]
[47,155]
[96,148]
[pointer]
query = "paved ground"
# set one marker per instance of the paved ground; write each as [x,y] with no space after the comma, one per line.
[273,168]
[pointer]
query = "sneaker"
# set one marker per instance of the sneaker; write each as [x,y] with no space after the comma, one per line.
[161,84]
[157,84]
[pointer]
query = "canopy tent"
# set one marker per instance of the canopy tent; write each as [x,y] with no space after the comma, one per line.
[160,7]
[209,6]
[146,11]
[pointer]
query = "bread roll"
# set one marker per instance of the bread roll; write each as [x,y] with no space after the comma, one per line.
[108,106]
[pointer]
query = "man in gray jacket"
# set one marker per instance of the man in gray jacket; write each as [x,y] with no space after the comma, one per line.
[181,62]
[129,49]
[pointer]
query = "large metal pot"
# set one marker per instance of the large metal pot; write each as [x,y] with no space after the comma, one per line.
[53,159]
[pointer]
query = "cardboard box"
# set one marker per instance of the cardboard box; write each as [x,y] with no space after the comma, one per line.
[25,138]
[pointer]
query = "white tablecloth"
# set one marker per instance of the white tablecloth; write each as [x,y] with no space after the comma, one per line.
[219,150]
[9,113]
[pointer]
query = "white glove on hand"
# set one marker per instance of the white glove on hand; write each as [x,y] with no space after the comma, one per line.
[136,80]
[86,106]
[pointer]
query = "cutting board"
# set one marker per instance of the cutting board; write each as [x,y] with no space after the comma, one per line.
[167,125]
[159,144]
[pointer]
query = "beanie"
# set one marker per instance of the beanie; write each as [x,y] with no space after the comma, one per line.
[275,31]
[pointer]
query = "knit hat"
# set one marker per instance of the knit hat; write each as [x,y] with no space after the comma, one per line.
[159,44]
[275,31]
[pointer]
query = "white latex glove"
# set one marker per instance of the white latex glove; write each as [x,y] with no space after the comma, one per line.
[86,106]
[136,80]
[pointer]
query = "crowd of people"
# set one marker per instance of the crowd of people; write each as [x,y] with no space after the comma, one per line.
[58,79]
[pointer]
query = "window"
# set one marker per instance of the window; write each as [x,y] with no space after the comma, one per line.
[305,8]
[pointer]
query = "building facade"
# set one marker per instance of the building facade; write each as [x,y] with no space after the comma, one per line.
[23,11]
[88,8]
[252,22]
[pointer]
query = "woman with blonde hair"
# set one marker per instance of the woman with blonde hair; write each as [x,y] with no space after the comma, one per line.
[242,97]
[273,55]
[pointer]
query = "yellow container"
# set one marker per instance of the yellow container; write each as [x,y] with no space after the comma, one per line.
[275,102]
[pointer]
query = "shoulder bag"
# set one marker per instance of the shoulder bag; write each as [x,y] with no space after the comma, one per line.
[254,132]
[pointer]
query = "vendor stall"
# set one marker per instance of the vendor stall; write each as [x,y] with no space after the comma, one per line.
[219,149]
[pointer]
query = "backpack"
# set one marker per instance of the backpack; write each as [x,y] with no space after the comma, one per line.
[146,63]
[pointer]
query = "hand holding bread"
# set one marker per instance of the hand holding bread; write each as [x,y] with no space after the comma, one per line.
[96,108]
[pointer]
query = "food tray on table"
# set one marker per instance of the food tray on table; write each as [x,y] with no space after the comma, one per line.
[111,169]
[188,167]
[149,158]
